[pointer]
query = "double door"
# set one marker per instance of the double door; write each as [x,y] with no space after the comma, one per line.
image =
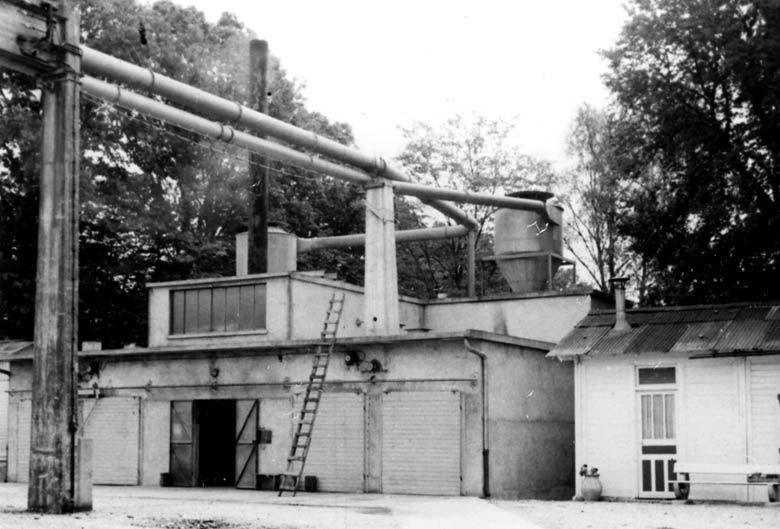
[228,442]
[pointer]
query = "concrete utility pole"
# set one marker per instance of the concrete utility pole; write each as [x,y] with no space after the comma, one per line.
[258,172]
[53,462]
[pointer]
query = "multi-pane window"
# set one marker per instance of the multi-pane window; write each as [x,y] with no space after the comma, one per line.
[658,416]
[657,402]
[218,309]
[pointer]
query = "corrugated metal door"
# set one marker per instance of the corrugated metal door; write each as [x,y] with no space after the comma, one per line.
[24,433]
[764,411]
[113,424]
[336,455]
[421,438]
[3,415]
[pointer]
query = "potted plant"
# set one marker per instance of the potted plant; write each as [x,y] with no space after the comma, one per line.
[591,485]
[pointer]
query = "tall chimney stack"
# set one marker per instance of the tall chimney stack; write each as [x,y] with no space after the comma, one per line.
[619,288]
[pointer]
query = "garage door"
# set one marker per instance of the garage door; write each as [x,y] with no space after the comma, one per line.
[3,415]
[23,432]
[336,453]
[421,443]
[113,425]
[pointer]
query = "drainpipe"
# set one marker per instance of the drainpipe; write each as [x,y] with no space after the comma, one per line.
[619,287]
[485,415]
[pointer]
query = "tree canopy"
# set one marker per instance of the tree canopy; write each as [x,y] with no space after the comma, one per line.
[157,203]
[699,86]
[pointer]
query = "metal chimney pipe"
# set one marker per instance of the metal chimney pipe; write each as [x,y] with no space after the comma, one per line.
[619,288]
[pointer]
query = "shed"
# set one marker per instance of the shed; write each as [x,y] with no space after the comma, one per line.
[698,384]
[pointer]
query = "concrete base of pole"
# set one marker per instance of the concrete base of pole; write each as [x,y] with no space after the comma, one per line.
[82,500]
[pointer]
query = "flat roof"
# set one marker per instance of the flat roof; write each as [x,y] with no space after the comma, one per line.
[289,346]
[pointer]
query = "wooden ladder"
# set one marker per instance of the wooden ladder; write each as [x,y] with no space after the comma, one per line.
[290,480]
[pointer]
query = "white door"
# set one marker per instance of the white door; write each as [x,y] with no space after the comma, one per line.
[656,388]
[421,441]
[113,424]
[336,455]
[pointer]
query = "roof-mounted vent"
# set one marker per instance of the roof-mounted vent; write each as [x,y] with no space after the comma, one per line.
[619,288]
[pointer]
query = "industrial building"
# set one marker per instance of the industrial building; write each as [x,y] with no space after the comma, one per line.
[659,388]
[459,400]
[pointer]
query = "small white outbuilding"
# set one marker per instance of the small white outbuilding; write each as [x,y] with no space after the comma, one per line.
[696,385]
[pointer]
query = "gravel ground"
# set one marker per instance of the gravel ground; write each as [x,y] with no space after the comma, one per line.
[173,508]
[645,515]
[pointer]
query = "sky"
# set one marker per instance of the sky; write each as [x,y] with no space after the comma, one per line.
[382,65]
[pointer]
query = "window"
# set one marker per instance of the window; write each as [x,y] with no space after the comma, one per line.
[658,416]
[656,375]
[218,309]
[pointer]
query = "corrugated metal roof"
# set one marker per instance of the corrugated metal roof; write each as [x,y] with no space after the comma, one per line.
[614,343]
[657,338]
[742,335]
[718,329]
[580,341]
[700,336]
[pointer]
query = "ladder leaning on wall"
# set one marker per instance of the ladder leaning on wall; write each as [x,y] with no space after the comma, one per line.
[290,480]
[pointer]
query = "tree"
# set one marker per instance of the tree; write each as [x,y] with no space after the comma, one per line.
[157,203]
[477,154]
[596,192]
[700,84]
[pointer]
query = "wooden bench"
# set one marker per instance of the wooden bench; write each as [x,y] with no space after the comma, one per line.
[738,474]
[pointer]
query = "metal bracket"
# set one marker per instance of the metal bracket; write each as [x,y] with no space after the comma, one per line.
[46,52]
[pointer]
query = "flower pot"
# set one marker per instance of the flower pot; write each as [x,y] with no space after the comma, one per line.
[591,488]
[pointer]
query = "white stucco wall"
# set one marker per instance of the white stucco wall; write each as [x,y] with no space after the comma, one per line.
[543,317]
[296,309]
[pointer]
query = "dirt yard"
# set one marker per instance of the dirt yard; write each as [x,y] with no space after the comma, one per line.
[156,508]
[645,515]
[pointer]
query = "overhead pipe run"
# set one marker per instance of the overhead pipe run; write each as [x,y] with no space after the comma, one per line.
[193,123]
[206,127]
[549,210]
[221,109]
[359,239]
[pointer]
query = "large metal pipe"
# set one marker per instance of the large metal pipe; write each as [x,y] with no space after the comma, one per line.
[548,210]
[206,127]
[359,239]
[191,122]
[221,109]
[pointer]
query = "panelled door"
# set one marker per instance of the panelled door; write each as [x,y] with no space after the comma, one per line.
[247,412]
[658,431]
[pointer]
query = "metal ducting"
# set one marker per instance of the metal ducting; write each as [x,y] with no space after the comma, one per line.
[528,248]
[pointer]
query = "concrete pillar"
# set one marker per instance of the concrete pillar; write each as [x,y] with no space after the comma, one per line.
[381,281]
